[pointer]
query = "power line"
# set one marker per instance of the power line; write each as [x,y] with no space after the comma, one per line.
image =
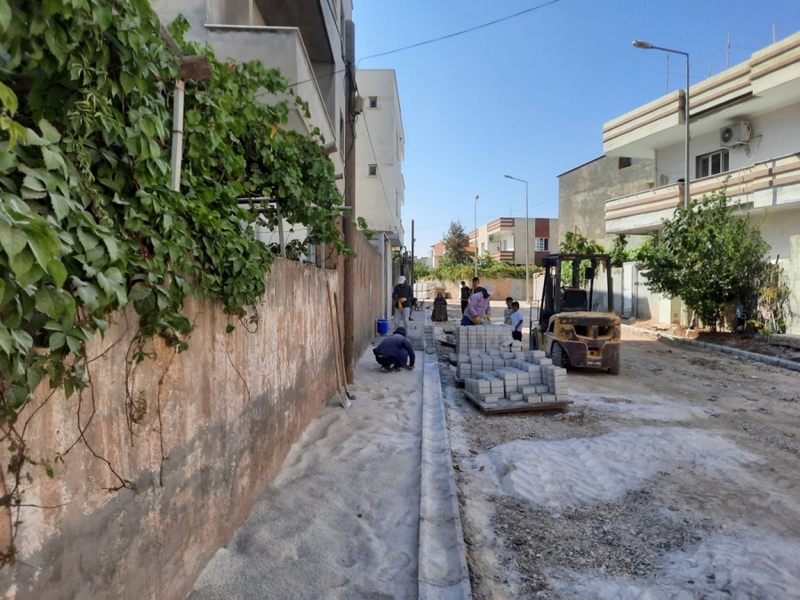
[430,41]
[461,32]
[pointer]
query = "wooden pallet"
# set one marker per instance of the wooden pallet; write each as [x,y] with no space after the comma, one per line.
[505,406]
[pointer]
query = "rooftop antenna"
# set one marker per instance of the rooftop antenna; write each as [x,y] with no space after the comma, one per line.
[728,52]
[774,33]
[666,88]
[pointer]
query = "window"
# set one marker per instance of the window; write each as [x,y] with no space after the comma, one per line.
[712,163]
[542,245]
[373,170]
[626,161]
[373,102]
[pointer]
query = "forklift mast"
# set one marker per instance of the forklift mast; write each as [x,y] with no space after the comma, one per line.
[556,299]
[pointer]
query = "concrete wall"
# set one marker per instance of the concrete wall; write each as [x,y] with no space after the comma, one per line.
[230,407]
[583,191]
[370,295]
[792,269]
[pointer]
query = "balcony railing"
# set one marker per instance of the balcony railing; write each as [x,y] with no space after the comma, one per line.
[772,182]
[506,256]
[499,224]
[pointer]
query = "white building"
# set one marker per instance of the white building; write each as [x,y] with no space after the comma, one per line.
[745,135]
[304,39]
[380,188]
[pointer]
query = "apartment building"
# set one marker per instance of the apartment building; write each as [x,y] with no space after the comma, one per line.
[305,39]
[504,239]
[745,137]
[380,141]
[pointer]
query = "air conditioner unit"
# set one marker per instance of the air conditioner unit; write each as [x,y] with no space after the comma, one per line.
[735,134]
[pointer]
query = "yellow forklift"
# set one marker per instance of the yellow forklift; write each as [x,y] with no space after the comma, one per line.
[572,329]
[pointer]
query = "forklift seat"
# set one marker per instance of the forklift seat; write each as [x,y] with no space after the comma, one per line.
[573,299]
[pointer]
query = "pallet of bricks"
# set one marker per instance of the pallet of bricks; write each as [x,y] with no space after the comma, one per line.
[499,376]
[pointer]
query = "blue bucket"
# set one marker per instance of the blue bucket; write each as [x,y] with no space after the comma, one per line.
[383,326]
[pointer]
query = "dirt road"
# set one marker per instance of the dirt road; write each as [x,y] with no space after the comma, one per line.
[676,479]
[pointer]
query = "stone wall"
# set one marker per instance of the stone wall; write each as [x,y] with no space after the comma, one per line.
[216,423]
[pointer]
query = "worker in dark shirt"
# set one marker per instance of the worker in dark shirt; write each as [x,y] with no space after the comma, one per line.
[395,351]
[465,294]
[401,298]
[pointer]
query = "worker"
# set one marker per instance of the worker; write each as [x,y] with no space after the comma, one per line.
[508,310]
[465,294]
[395,351]
[478,310]
[439,308]
[401,297]
[516,322]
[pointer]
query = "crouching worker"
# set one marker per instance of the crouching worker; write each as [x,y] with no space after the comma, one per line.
[395,351]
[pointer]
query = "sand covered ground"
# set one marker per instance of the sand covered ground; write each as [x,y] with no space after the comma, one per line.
[341,519]
[675,480]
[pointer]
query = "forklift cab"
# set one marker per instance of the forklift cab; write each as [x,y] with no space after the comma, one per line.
[572,329]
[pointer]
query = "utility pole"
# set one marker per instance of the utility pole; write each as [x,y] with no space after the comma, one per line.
[476,234]
[411,273]
[348,227]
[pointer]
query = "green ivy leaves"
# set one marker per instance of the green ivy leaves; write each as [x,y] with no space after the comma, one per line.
[88,222]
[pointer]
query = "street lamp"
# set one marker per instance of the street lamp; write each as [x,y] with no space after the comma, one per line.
[527,241]
[476,234]
[648,46]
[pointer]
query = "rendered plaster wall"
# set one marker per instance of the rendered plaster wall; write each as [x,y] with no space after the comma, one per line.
[368,295]
[583,192]
[216,423]
[793,276]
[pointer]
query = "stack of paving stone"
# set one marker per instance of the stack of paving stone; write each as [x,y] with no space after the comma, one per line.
[497,374]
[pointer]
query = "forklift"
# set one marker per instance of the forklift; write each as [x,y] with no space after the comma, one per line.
[571,330]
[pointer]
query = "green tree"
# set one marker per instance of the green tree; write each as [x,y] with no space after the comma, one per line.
[576,243]
[486,261]
[619,250]
[645,250]
[422,271]
[707,255]
[456,244]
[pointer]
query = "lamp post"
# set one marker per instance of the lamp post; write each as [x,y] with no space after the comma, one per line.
[527,241]
[648,46]
[476,234]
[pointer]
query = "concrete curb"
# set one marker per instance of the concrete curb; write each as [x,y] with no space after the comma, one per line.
[743,354]
[443,573]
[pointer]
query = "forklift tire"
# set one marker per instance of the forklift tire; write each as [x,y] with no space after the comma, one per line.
[615,369]
[558,356]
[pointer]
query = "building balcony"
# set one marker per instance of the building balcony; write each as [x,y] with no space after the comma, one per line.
[281,48]
[506,256]
[764,185]
[767,81]
[501,224]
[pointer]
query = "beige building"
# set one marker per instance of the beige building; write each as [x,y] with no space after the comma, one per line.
[745,136]
[504,239]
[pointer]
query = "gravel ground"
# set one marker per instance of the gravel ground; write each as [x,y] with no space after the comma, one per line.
[675,479]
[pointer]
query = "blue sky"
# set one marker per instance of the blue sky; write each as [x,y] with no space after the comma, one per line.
[529,96]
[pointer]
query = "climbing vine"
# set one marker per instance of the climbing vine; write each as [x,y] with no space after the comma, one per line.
[88,222]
